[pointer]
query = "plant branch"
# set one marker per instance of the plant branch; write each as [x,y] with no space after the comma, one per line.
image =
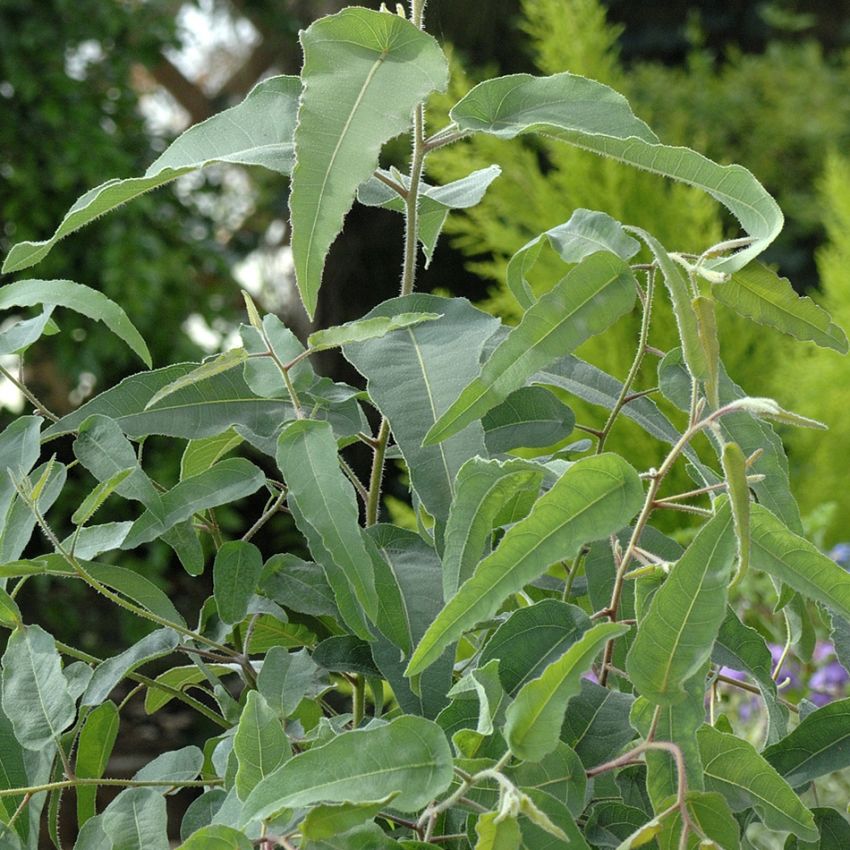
[117,783]
[29,395]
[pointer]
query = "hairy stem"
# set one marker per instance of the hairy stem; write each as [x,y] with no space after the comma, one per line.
[117,783]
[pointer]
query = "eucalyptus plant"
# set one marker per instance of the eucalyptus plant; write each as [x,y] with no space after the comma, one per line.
[536,665]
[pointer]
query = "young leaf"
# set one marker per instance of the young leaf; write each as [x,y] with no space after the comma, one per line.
[675,637]
[594,117]
[180,678]
[745,779]
[595,497]
[200,455]
[260,744]
[208,369]
[584,303]
[707,333]
[497,833]
[35,693]
[256,132]
[767,408]
[534,718]
[530,417]
[483,488]
[74,296]
[364,72]
[364,329]
[413,377]
[325,500]
[235,575]
[92,502]
[735,470]
[585,233]
[409,756]
[97,739]
[760,294]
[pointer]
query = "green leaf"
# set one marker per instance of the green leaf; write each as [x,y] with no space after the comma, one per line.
[833,828]
[23,334]
[346,654]
[237,569]
[483,683]
[760,294]
[675,637]
[92,836]
[584,303]
[710,813]
[611,822]
[707,333]
[409,755]
[327,821]
[74,296]
[534,718]
[180,678]
[819,745]
[110,672]
[92,502]
[35,693]
[10,613]
[497,832]
[217,837]
[368,836]
[530,417]
[13,774]
[365,329]
[482,490]
[286,678]
[325,500]
[181,765]
[363,74]
[532,638]
[746,780]
[594,117]
[793,560]
[256,132]
[208,369]
[594,498]
[136,820]
[596,724]
[225,482]
[585,233]
[260,744]
[200,455]
[19,452]
[560,775]
[735,470]
[298,585]
[536,837]
[97,739]
[414,376]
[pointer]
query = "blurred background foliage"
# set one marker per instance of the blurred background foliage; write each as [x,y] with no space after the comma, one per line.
[91,90]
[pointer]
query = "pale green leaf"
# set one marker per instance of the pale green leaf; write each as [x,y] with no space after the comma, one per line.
[497,832]
[13,774]
[326,821]
[35,693]
[19,452]
[594,498]
[534,718]
[217,837]
[414,376]
[10,614]
[585,233]
[236,571]
[584,303]
[535,837]
[260,744]
[177,766]
[707,334]
[208,369]
[256,132]
[483,684]
[735,470]
[82,299]
[745,779]
[325,500]
[592,116]
[767,408]
[298,585]
[675,637]
[710,813]
[364,329]
[596,724]
[200,455]
[94,748]
[363,73]
[409,756]
[92,502]
[23,334]
[136,820]
[530,417]
[201,811]
[760,294]
[287,677]
[560,775]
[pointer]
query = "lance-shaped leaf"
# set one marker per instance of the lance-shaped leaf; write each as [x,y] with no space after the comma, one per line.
[307,457]
[675,637]
[260,744]
[92,502]
[745,779]
[208,369]
[13,774]
[735,471]
[256,132]
[200,455]
[707,334]
[137,820]
[409,755]
[364,72]
[594,117]
[435,202]
[414,375]
[585,233]
[760,294]
[23,334]
[36,698]
[483,489]
[594,498]
[584,303]
[97,739]
[819,745]
[793,560]
[530,417]
[363,329]
[19,451]
[534,718]
[81,299]
[237,569]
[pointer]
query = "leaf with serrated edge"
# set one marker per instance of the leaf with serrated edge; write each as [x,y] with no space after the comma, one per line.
[364,72]
[594,498]
[587,301]
[534,718]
